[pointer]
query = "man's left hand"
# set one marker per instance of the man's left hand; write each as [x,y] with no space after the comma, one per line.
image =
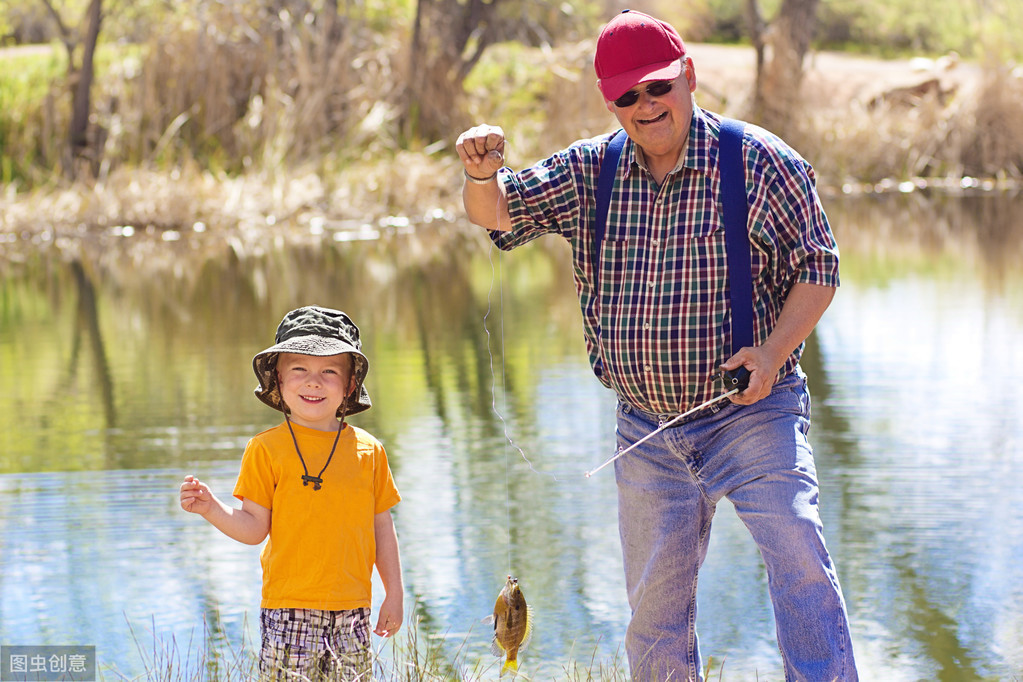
[763,372]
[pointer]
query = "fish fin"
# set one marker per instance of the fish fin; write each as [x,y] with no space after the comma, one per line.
[529,628]
[488,620]
[512,665]
[496,648]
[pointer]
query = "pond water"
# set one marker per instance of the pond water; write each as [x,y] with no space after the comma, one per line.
[120,375]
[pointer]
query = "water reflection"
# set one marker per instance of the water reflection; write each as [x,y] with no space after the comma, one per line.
[920,351]
[120,374]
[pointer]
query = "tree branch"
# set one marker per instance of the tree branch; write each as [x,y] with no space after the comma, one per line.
[65,34]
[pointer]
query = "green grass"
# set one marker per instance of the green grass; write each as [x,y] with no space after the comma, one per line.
[24,83]
[26,76]
[34,106]
[411,656]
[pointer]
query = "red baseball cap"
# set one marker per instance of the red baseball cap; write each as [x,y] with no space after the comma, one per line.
[634,48]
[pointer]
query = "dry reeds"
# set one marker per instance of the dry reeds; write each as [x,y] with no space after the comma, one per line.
[238,116]
[253,92]
[992,139]
[928,130]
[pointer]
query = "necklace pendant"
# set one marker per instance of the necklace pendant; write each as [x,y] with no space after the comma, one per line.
[315,480]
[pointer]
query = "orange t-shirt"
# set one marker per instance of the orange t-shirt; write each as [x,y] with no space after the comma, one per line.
[322,545]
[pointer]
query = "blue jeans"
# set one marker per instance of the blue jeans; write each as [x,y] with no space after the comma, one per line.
[668,488]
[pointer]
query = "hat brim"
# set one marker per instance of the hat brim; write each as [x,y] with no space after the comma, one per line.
[264,364]
[616,86]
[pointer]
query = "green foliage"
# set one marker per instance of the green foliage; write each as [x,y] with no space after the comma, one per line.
[26,77]
[34,105]
[905,27]
[24,84]
[233,87]
[898,27]
[888,28]
[726,21]
[21,20]
[388,14]
[509,70]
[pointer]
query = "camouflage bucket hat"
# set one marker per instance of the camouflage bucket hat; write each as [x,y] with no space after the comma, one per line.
[313,331]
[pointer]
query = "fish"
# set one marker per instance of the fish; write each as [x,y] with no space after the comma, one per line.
[513,625]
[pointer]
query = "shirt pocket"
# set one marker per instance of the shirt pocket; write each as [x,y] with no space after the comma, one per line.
[616,267]
[704,243]
[701,269]
[624,276]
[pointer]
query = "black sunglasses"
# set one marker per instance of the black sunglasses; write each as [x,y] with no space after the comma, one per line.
[655,89]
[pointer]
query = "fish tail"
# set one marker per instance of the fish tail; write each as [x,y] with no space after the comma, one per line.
[512,665]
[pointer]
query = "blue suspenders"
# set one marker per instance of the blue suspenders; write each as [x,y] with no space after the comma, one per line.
[733,196]
[605,183]
[736,216]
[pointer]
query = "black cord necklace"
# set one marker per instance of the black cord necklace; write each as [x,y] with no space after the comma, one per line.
[316,480]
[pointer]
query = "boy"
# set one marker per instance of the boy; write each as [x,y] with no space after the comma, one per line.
[322,490]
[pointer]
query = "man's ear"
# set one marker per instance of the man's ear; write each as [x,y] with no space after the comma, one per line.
[690,71]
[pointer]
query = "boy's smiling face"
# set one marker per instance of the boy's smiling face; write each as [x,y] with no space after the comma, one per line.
[314,387]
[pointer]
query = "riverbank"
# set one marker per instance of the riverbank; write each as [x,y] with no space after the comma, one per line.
[874,126]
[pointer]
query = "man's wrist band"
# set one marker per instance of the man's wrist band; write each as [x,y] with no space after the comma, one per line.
[479,181]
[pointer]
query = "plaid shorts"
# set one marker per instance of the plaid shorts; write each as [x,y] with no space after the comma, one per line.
[314,644]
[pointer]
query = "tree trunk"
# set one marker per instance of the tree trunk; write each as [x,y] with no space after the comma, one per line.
[440,59]
[756,32]
[781,48]
[81,96]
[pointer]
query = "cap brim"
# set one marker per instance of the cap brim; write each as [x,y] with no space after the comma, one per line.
[616,86]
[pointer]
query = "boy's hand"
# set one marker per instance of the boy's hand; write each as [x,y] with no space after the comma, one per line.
[389,621]
[196,496]
[250,524]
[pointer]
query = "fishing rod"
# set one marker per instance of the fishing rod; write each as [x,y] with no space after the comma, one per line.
[735,380]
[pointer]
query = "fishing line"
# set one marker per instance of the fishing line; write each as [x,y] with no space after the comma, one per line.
[493,376]
[499,279]
[493,393]
[497,276]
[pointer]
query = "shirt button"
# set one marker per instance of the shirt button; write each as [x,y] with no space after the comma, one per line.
[648,368]
[657,242]
[646,326]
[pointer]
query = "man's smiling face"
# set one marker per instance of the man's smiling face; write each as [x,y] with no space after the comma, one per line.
[660,125]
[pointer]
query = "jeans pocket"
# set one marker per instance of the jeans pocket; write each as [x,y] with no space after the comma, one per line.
[791,396]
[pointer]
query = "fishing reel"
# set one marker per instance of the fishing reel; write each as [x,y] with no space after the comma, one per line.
[735,379]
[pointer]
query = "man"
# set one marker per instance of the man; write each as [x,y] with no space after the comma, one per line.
[657,320]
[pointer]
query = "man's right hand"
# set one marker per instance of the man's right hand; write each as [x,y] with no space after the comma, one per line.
[481,150]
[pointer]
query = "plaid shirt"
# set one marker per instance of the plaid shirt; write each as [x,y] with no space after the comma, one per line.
[655,305]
